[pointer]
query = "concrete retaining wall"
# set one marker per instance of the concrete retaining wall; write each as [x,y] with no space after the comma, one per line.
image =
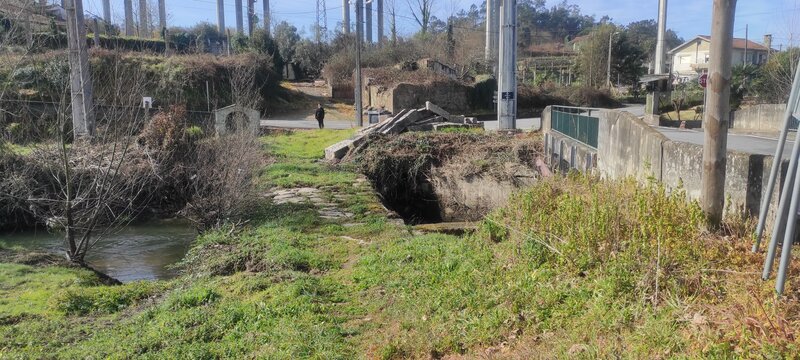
[452,96]
[627,147]
[765,117]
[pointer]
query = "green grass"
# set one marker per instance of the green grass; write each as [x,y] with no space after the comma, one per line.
[304,144]
[571,268]
[298,160]
[27,290]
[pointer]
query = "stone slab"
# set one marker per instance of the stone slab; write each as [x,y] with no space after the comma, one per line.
[339,150]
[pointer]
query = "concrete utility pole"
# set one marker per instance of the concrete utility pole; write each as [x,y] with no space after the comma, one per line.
[346,16]
[492,33]
[380,22]
[144,31]
[83,116]
[266,16]
[652,111]
[507,99]
[359,39]
[489,28]
[107,12]
[251,16]
[746,42]
[369,21]
[661,37]
[239,17]
[717,113]
[128,17]
[162,16]
[221,16]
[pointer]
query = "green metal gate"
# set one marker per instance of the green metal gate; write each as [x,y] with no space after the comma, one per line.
[576,123]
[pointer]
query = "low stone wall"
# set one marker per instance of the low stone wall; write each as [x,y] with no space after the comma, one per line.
[764,117]
[452,96]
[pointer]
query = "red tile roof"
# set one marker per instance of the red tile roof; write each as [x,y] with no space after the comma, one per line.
[740,43]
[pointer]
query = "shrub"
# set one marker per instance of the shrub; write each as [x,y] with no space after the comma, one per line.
[194,133]
[222,172]
[104,299]
[194,297]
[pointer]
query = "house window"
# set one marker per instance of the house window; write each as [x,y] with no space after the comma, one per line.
[707,58]
[686,59]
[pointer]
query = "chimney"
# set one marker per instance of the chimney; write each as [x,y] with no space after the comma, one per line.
[768,41]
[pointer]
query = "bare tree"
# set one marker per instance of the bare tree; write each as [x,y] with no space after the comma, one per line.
[244,90]
[393,26]
[89,190]
[223,168]
[422,11]
[223,171]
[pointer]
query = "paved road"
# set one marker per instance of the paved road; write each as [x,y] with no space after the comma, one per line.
[635,109]
[306,124]
[751,144]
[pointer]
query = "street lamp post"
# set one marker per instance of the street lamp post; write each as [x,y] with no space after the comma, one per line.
[608,73]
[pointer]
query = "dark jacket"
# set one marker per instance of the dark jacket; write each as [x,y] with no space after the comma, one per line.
[319,114]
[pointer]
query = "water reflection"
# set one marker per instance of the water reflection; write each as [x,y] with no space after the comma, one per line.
[137,252]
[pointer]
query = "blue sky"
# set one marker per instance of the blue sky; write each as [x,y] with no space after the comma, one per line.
[687,17]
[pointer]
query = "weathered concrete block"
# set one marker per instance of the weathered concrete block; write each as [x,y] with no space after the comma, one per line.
[401,124]
[435,109]
[420,127]
[390,121]
[339,150]
[441,112]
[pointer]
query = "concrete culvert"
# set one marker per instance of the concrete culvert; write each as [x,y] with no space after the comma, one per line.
[435,177]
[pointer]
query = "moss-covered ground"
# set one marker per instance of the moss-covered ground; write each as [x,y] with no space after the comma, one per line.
[573,267]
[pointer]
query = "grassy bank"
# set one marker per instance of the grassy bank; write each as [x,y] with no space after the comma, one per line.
[571,268]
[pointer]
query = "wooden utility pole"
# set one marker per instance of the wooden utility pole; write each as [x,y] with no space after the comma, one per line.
[715,122]
[83,117]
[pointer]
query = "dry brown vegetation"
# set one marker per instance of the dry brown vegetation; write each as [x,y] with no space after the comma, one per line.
[447,176]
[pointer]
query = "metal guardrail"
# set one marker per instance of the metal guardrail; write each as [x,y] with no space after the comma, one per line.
[576,123]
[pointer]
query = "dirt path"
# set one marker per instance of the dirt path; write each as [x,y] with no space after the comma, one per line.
[305,101]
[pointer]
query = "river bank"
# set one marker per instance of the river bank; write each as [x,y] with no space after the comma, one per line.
[570,267]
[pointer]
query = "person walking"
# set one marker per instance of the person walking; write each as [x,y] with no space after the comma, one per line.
[320,116]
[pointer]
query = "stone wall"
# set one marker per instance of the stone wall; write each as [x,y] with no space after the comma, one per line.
[341,91]
[451,96]
[764,117]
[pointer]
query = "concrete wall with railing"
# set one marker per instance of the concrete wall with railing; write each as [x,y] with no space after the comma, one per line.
[627,147]
[565,153]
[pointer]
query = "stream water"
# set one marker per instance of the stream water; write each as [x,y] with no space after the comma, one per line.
[137,252]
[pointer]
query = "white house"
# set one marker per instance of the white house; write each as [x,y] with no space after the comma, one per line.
[690,59]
